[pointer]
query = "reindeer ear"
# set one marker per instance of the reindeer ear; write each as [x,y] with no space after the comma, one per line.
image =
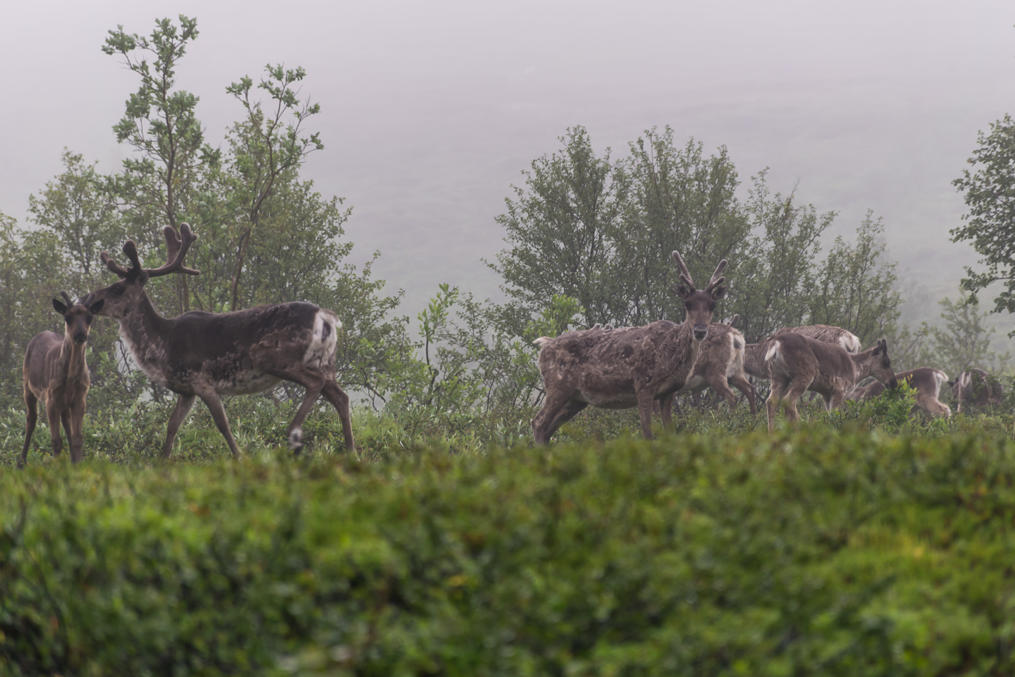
[719,290]
[59,307]
[96,307]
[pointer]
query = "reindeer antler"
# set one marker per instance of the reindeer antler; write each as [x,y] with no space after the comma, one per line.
[66,299]
[685,275]
[177,245]
[715,284]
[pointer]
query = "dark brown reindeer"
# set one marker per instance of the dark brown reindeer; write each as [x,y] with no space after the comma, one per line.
[624,367]
[55,371]
[720,364]
[926,381]
[976,389]
[798,363]
[207,355]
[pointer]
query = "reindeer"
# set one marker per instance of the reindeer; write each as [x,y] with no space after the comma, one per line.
[207,355]
[926,381]
[55,371]
[625,367]
[720,364]
[754,353]
[826,333]
[975,388]
[798,363]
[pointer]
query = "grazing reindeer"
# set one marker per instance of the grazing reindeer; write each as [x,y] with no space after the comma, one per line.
[720,364]
[826,333]
[797,363]
[975,388]
[754,353]
[55,371]
[628,366]
[206,355]
[926,381]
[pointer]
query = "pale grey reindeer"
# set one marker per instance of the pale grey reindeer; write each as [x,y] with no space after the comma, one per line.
[628,366]
[926,381]
[56,372]
[206,355]
[798,363]
[720,364]
[975,388]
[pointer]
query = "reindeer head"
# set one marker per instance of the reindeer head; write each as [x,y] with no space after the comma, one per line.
[120,298]
[880,366]
[699,304]
[77,317]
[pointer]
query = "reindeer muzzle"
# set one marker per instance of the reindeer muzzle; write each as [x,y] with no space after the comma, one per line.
[79,337]
[700,332]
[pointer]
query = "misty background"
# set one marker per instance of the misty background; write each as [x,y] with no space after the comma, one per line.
[430,111]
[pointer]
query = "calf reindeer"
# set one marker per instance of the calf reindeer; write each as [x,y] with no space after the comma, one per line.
[207,355]
[55,371]
[826,333]
[926,381]
[797,363]
[625,367]
[720,364]
[975,388]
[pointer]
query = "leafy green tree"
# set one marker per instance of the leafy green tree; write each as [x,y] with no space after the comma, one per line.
[961,340]
[561,231]
[265,148]
[775,276]
[80,209]
[160,124]
[679,199]
[856,286]
[988,186]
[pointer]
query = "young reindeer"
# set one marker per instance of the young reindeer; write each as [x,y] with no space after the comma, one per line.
[754,353]
[926,381]
[720,364]
[976,389]
[55,371]
[624,367]
[797,363]
[208,355]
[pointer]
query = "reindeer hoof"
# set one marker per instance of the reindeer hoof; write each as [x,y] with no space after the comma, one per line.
[296,440]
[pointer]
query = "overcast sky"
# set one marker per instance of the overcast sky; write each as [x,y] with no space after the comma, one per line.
[431,110]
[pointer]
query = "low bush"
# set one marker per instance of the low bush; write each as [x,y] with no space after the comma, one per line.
[810,551]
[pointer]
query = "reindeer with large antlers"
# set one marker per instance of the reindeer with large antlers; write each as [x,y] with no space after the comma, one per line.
[207,355]
[55,371]
[628,366]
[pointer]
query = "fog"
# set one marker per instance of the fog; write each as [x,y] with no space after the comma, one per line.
[431,110]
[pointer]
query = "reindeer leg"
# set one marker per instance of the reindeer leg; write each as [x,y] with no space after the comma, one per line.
[54,426]
[31,402]
[721,386]
[666,410]
[218,413]
[645,400]
[744,386]
[175,419]
[796,388]
[772,403]
[294,433]
[67,418]
[334,394]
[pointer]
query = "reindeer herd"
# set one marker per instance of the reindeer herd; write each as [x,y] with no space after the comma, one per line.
[207,355]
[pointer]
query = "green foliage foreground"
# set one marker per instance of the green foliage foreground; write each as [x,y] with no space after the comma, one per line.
[814,551]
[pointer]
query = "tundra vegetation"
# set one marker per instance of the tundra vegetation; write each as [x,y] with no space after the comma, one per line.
[865,540]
